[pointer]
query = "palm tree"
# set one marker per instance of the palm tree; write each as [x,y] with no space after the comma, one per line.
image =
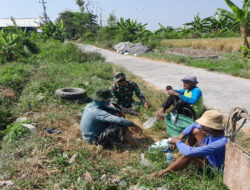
[242,16]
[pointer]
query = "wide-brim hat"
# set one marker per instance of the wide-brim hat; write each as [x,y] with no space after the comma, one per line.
[102,95]
[119,76]
[190,78]
[212,119]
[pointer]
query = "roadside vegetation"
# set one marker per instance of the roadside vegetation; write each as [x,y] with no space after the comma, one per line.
[50,161]
[34,65]
[42,161]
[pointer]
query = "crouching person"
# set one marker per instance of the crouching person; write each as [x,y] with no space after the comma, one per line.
[209,133]
[100,126]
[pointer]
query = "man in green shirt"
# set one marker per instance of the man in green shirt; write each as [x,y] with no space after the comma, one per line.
[123,91]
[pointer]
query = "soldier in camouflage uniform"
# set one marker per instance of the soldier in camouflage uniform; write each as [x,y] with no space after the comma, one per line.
[122,92]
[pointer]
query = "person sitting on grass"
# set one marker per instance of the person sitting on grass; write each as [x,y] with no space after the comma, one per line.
[123,91]
[99,125]
[209,133]
[189,97]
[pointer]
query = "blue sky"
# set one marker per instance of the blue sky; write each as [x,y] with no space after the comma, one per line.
[167,12]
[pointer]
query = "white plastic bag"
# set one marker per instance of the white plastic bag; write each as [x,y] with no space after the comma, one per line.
[163,145]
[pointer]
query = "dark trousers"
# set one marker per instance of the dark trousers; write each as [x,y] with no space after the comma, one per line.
[113,133]
[179,106]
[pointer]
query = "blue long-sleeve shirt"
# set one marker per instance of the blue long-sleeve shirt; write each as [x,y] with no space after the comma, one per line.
[213,149]
[96,119]
[196,94]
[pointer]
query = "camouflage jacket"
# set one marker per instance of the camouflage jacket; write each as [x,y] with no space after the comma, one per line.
[123,95]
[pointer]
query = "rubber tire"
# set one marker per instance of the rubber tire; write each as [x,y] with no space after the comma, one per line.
[71,93]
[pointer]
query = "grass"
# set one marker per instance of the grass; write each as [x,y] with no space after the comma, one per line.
[231,63]
[213,44]
[42,161]
[14,77]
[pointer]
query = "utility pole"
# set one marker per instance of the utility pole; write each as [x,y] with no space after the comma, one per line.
[101,10]
[45,16]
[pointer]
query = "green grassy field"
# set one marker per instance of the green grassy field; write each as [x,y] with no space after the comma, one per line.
[42,161]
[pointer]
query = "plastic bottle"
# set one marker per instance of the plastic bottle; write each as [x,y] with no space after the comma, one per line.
[172,117]
[122,183]
[144,161]
[149,123]
[169,157]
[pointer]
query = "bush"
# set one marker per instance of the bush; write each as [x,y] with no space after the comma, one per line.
[14,132]
[53,30]
[54,51]
[14,75]
[6,117]
[14,43]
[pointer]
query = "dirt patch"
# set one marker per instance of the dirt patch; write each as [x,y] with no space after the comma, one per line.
[192,52]
[7,92]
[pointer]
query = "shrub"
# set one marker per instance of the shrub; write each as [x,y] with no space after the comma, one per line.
[53,30]
[14,76]
[14,132]
[15,43]
[54,51]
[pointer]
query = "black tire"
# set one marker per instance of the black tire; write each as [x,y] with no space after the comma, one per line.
[71,93]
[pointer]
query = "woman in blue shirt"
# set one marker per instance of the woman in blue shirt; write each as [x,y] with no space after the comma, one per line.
[209,133]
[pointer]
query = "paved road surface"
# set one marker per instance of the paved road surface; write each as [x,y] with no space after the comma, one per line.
[220,91]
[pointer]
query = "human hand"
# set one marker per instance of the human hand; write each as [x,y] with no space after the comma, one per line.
[112,105]
[156,174]
[153,175]
[180,136]
[138,129]
[174,140]
[173,93]
[146,105]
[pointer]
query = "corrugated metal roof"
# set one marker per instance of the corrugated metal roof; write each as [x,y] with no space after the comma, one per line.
[21,22]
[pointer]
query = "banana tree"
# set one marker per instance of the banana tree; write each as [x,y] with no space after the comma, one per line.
[226,19]
[197,26]
[130,30]
[9,44]
[243,17]
[53,30]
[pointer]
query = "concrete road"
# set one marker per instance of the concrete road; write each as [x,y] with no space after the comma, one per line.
[220,91]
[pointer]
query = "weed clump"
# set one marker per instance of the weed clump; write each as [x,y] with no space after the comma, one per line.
[14,132]
[54,51]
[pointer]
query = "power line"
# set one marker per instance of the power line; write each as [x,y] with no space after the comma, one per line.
[45,16]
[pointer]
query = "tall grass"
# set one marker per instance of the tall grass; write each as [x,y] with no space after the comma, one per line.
[213,44]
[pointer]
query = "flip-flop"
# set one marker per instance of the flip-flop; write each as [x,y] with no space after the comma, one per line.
[51,130]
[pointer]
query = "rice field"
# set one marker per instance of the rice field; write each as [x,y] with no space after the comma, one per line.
[212,44]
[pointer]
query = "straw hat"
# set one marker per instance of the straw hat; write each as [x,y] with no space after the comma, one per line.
[212,119]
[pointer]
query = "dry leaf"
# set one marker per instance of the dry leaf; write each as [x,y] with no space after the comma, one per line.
[87,176]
